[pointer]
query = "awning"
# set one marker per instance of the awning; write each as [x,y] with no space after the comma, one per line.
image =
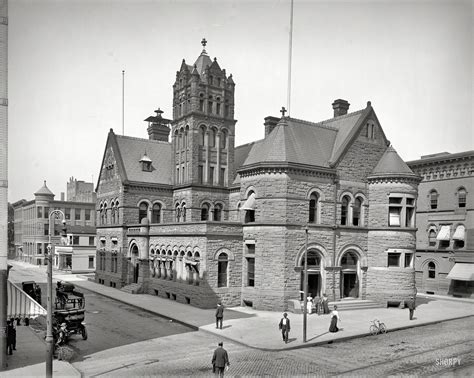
[461,272]
[444,233]
[250,203]
[20,304]
[459,233]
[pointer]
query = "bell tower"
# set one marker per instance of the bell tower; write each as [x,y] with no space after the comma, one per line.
[203,125]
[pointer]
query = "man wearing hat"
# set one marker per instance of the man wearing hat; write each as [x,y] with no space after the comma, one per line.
[219,315]
[285,327]
[411,306]
[220,360]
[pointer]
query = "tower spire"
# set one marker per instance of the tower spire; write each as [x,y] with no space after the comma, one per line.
[204,43]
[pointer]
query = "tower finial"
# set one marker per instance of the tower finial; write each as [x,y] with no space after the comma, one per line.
[204,43]
[283,111]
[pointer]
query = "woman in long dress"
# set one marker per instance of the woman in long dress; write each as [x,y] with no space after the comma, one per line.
[334,319]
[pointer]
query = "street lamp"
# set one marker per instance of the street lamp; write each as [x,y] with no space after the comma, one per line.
[305,286]
[54,214]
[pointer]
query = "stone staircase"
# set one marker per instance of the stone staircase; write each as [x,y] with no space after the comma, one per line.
[134,288]
[354,304]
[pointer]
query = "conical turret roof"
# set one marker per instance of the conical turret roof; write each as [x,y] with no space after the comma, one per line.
[391,164]
[44,190]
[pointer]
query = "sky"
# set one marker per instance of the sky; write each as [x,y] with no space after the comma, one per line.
[412,59]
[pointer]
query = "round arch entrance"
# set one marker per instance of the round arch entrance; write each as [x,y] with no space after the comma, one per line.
[350,275]
[315,274]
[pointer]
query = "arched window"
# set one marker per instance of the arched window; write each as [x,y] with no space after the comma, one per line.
[313,208]
[142,211]
[249,208]
[218,213]
[431,270]
[201,102]
[314,260]
[224,140]
[183,212]
[101,214]
[344,210]
[356,212]
[212,138]
[205,212]
[432,238]
[105,213]
[218,106]
[349,260]
[222,265]
[434,199]
[202,136]
[156,213]
[462,194]
[177,212]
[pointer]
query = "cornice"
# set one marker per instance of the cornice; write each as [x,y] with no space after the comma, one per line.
[285,167]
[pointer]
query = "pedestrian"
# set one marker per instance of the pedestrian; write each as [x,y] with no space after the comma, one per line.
[411,307]
[12,321]
[334,319]
[285,327]
[309,304]
[9,337]
[220,360]
[219,315]
[324,302]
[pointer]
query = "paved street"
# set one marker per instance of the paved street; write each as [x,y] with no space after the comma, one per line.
[411,351]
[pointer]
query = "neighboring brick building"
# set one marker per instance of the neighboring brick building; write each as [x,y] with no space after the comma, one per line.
[199,220]
[445,219]
[80,191]
[31,225]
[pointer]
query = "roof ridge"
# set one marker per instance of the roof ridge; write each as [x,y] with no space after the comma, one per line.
[313,123]
[142,139]
[344,116]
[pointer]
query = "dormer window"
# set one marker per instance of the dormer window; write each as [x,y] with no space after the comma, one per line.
[145,161]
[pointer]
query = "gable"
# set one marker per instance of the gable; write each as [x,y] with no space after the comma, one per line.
[111,170]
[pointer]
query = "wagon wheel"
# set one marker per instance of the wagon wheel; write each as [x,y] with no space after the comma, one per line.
[84,333]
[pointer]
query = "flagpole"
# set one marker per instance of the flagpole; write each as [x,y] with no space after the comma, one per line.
[289,60]
[123,102]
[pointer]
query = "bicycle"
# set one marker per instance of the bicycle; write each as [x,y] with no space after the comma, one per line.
[377,327]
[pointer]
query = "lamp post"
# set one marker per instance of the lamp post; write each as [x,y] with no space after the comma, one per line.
[305,286]
[54,214]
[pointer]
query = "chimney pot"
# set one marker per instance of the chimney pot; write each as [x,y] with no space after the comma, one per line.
[340,107]
[270,123]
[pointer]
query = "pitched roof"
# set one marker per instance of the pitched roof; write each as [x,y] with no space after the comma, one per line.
[295,141]
[391,164]
[44,190]
[319,144]
[202,62]
[131,150]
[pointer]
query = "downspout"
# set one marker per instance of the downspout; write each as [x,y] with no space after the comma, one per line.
[336,181]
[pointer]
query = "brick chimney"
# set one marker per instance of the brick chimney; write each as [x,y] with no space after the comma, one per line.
[340,107]
[270,123]
[158,128]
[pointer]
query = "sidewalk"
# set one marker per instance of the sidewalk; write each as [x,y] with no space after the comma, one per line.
[259,329]
[29,358]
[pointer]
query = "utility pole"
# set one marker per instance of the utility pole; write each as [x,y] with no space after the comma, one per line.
[305,286]
[3,181]
[54,214]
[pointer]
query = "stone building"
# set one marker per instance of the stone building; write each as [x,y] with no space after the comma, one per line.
[80,191]
[444,260]
[200,220]
[31,225]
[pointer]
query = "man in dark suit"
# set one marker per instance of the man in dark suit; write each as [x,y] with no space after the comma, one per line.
[284,327]
[219,315]
[411,306]
[220,360]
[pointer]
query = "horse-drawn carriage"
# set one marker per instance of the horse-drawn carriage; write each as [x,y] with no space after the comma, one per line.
[69,313]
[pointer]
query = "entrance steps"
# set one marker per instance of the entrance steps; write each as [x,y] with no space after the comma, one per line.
[354,304]
[134,288]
